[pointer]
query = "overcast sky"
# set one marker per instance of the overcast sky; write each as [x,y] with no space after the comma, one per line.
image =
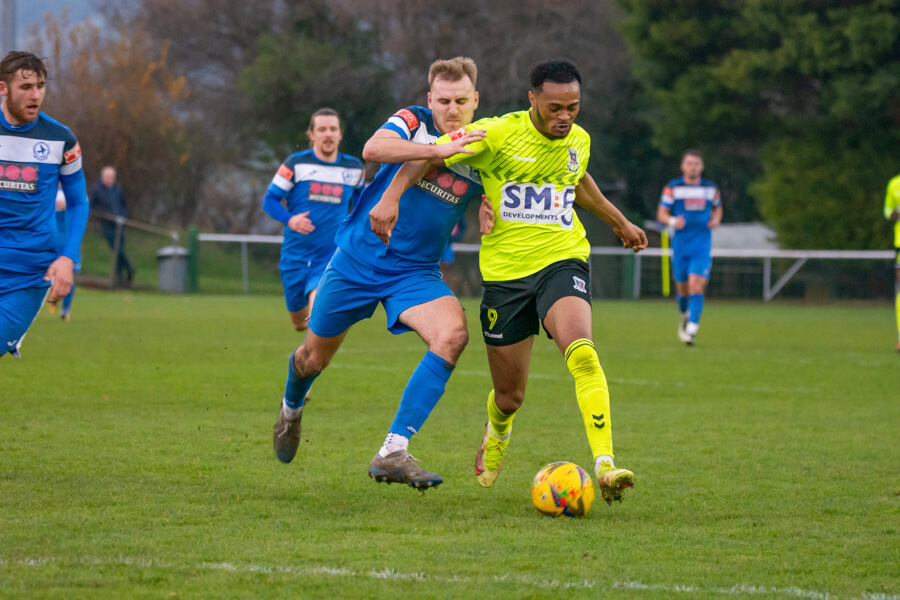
[31,12]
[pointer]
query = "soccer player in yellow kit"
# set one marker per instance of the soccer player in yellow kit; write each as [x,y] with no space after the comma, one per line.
[533,166]
[892,213]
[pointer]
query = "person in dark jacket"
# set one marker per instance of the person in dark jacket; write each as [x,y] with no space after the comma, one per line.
[107,197]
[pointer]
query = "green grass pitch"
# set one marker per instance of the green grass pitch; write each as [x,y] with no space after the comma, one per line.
[136,460]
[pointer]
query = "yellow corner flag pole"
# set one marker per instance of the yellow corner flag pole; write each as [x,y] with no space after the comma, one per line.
[664,237]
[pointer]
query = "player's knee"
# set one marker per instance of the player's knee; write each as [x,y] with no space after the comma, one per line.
[309,363]
[317,363]
[509,401]
[581,357]
[300,326]
[451,341]
[458,338]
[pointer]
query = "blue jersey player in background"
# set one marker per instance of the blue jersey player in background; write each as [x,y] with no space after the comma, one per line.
[37,154]
[62,236]
[692,206]
[402,275]
[320,185]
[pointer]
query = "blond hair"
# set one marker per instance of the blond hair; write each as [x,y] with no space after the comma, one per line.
[453,69]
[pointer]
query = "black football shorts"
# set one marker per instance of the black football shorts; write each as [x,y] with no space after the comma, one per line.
[513,310]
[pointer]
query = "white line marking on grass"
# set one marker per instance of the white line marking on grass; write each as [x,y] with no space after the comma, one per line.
[388,573]
[618,381]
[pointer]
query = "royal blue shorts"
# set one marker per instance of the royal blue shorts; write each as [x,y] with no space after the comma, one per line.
[18,310]
[299,282]
[350,291]
[684,264]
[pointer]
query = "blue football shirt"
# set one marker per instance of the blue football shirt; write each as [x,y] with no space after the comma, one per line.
[326,190]
[694,202]
[429,210]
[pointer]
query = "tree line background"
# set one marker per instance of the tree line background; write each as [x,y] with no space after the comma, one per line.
[795,105]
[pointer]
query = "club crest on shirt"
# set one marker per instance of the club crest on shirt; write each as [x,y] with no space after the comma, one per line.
[573,160]
[41,151]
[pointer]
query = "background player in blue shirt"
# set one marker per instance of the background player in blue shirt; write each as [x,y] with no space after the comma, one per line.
[36,155]
[62,236]
[404,275]
[692,206]
[320,185]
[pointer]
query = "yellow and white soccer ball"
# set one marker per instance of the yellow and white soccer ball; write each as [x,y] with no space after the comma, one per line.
[562,489]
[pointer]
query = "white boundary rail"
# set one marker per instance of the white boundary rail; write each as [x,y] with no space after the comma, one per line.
[243,240]
[770,290]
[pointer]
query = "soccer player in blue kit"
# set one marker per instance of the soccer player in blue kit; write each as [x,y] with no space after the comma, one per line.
[403,275]
[320,185]
[693,207]
[36,155]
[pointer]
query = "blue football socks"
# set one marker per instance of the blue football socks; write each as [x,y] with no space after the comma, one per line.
[296,387]
[422,392]
[67,301]
[682,303]
[696,307]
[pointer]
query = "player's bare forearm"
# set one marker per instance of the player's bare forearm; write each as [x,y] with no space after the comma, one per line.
[715,217]
[589,196]
[663,214]
[386,146]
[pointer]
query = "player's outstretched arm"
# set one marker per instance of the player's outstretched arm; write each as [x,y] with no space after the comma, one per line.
[386,146]
[385,213]
[589,196]
[715,217]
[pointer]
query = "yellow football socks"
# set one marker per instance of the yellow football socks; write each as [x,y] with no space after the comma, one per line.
[501,423]
[592,394]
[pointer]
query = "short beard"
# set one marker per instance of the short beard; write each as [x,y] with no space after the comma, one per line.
[17,116]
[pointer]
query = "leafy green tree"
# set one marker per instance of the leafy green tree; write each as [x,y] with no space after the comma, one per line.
[294,74]
[797,102]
